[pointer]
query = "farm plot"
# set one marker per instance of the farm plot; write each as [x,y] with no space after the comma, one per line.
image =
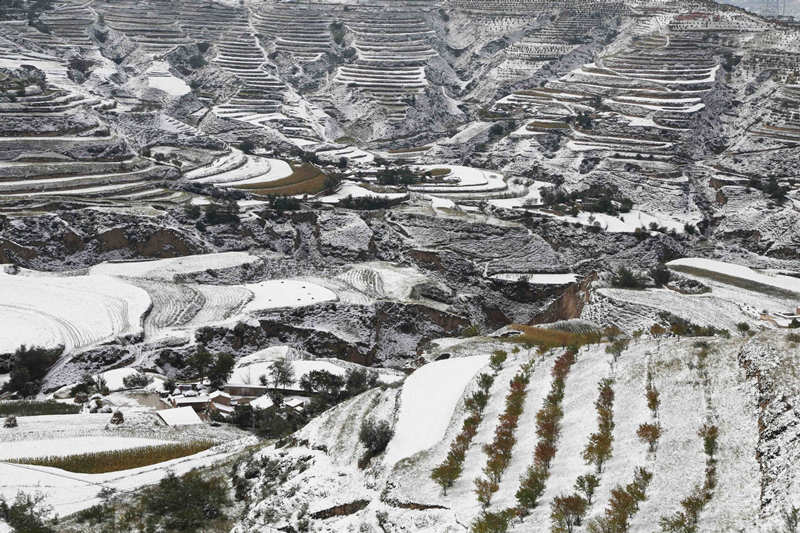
[754,292]
[350,189]
[703,309]
[220,302]
[304,179]
[71,446]
[739,276]
[462,182]
[68,492]
[383,280]
[167,269]
[41,310]
[286,293]
[427,402]
[173,305]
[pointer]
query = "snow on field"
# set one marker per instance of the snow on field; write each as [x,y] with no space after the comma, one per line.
[114,378]
[166,269]
[461,179]
[539,279]
[72,446]
[256,170]
[251,367]
[158,77]
[220,302]
[702,309]
[179,416]
[427,401]
[68,492]
[44,427]
[533,196]
[283,293]
[169,84]
[41,310]
[383,280]
[787,283]
[625,222]
[349,188]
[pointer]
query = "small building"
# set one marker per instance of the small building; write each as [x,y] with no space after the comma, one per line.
[198,402]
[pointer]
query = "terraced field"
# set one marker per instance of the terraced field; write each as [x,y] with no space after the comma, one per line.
[40,310]
[74,155]
[392,50]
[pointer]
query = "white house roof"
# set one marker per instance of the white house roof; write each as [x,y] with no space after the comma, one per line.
[180,416]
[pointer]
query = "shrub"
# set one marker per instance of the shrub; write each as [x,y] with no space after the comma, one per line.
[375,436]
[117,418]
[185,503]
[653,400]
[625,278]
[587,484]
[196,61]
[548,338]
[28,367]
[471,331]
[493,522]
[567,512]
[617,347]
[660,274]
[365,203]
[136,381]
[649,434]
[709,434]
[497,359]
[623,504]
[743,327]
[10,422]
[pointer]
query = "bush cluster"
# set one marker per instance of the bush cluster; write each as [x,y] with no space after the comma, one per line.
[548,427]
[375,436]
[136,381]
[623,505]
[450,469]
[365,203]
[499,451]
[34,408]
[27,513]
[28,367]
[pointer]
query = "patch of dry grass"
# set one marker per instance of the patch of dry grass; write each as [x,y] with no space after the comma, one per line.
[116,460]
[546,338]
[306,179]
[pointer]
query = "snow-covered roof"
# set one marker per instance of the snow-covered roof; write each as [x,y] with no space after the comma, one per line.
[180,416]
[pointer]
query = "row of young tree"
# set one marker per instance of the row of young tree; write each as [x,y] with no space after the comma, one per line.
[446,473]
